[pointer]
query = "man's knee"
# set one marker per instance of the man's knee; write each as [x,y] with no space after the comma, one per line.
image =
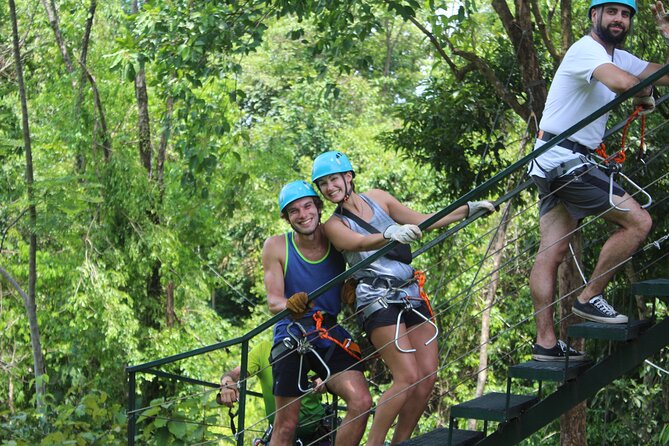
[361,402]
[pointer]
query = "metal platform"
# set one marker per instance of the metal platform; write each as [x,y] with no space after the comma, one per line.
[609,332]
[440,437]
[652,288]
[559,371]
[494,406]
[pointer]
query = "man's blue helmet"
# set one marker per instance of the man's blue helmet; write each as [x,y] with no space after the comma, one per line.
[294,191]
[629,3]
[329,163]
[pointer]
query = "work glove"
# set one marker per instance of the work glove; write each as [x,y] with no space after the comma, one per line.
[475,206]
[298,304]
[647,104]
[403,233]
[348,291]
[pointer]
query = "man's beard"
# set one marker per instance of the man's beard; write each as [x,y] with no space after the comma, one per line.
[607,36]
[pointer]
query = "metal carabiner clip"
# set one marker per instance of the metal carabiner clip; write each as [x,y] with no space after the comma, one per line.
[303,346]
[406,306]
[636,186]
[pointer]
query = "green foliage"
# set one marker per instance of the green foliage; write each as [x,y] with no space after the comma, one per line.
[245,95]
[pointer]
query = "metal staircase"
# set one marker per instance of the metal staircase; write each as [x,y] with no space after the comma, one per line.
[519,416]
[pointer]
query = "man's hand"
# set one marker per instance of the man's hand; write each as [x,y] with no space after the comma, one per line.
[647,104]
[403,233]
[348,291]
[662,19]
[229,394]
[319,386]
[475,206]
[298,304]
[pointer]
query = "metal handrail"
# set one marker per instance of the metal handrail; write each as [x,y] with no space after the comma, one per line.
[471,195]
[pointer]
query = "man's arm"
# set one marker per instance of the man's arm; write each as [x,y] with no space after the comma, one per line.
[619,80]
[662,19]
[273,254]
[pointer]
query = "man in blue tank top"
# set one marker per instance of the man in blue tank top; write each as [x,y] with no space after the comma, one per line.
[295,264]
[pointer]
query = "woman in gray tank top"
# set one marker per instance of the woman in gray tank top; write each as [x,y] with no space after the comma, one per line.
[363,224]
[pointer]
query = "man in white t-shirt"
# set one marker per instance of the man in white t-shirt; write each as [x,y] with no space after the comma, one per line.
[591,74]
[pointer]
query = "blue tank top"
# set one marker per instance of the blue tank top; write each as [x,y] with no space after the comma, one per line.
[302,274]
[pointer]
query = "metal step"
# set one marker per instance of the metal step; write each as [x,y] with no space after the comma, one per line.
[493,407]
[440,437]
[549,370]
[609,332]
[652,288]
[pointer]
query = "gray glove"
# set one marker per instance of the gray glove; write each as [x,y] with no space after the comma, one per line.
[403,233]
[475,206]
[646,102]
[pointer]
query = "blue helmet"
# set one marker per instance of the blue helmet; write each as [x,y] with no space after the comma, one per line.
[294,191]
[328,163]
[629,3]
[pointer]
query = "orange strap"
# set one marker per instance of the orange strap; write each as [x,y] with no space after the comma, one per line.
[350,347]
[420,279]
[621,156]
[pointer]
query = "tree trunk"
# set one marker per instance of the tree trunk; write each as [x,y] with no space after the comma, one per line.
[572,423]
[162,148]
[142,96]
[498,255]
[54,21]
[38,358]
[28,299]
[169,307]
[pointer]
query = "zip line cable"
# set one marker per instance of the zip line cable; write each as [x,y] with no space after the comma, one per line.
[440,369]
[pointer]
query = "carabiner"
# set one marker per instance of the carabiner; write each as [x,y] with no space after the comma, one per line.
[303,346]
[636,186]
[405,301]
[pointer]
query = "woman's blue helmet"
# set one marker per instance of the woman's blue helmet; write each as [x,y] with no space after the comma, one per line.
[294,191]
[629,3]
[329,163]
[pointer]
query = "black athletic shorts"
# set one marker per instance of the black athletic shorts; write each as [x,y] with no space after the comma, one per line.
[388,316]
[583,192]
[286,367]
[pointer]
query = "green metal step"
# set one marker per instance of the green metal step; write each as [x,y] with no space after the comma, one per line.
[609,332]
[549,370]
[652,288]
[440,437]
[493,407]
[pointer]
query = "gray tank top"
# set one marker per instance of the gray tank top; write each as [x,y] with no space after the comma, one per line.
[381,267]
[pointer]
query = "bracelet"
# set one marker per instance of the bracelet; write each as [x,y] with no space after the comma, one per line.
[666,39]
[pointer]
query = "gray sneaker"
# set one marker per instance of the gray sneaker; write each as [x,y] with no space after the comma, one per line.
[597,309]
[557,353]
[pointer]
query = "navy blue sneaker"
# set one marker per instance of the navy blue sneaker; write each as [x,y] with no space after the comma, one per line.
[557,353]
[598,310]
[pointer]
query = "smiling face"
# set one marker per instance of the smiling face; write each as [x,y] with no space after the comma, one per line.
[611,22]
[335,187]
[303,215]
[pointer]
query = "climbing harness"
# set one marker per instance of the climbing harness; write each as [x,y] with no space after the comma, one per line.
[302,343]
[613,163]
[350,347]
[401,299]
[232,414]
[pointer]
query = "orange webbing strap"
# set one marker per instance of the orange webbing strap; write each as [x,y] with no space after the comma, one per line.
[420,279]
[350,347]
[620,157]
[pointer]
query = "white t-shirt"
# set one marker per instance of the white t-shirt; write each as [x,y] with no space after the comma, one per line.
[575,94]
